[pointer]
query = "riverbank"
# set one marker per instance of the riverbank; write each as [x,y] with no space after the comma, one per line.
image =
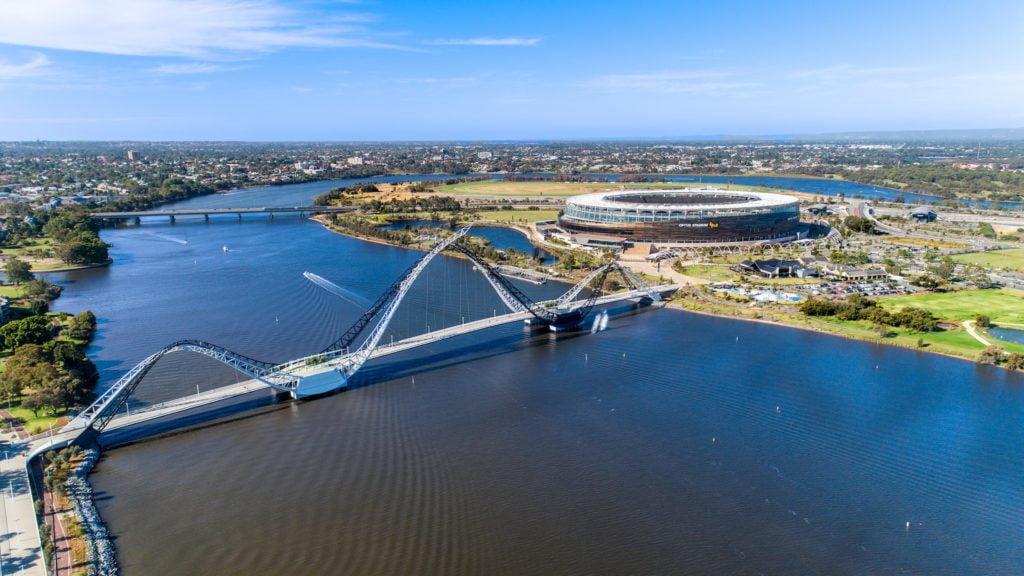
[547,271]
[952,342]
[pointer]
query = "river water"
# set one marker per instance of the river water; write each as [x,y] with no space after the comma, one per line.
[669,443]
[500,237]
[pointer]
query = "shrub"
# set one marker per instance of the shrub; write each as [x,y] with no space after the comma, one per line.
[1015,361]
[991,355]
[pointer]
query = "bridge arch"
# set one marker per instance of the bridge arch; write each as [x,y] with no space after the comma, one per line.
[288,377]
[99,413]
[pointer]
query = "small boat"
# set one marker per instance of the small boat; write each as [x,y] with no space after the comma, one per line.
[224,248]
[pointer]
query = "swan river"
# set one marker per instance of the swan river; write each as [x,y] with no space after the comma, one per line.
[668,443]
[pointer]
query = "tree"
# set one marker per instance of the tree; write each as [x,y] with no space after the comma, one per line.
[31,330]
[81,326]
[983,321]
[818,307]
[68,222]
[40,288]
[991,355]
[34,402]
[72,360]
[915,319]
[82,248]
[1015,361]
[859,224]
[17,271]
[65,391]
[20,370]
[945,268]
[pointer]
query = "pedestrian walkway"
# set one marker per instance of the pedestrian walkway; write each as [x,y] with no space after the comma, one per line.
[20,552]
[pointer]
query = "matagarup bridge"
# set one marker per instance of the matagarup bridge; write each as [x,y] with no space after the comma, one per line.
[333,368]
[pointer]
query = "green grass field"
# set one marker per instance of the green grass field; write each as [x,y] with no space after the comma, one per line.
[32,423]
[11,291]
[1009,259]
[562,189]
[1003,305]
[518,215]
[712,273]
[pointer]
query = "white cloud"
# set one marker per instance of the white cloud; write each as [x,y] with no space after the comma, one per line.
[671,81]
[37,65]
[192,68]
[846,72]
[484,42]
[191,28]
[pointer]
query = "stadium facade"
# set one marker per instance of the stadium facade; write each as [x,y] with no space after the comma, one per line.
[683,216]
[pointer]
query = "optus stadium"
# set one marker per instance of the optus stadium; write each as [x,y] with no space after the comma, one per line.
[683,216]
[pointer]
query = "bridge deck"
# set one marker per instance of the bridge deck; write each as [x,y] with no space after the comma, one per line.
[23,544]
[230,391]
[215,211]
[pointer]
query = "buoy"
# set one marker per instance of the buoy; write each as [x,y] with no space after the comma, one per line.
[713,439]
[778,409]
[908,525]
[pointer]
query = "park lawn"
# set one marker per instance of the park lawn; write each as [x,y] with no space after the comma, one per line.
[10,291]
[1001,305]
[30,245]
[32,423]
[710,272]
[1012,259]
[518,215]
[953,341]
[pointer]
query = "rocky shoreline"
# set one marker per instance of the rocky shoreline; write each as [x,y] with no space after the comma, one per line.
[100,551]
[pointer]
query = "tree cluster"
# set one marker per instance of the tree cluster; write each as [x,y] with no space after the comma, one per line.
[859,308]
[77,237]
[53,376]
[18,271]
[333,196]
[859,224]
[995,356]
[424,204]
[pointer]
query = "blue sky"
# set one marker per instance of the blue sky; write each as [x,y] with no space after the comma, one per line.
[421,70]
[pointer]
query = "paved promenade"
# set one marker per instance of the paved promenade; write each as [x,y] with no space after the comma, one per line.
[20,551]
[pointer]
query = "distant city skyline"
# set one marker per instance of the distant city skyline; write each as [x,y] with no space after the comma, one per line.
[402,70]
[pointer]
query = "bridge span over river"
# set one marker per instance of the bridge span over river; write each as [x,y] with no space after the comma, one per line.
[330,370]
[207,212]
